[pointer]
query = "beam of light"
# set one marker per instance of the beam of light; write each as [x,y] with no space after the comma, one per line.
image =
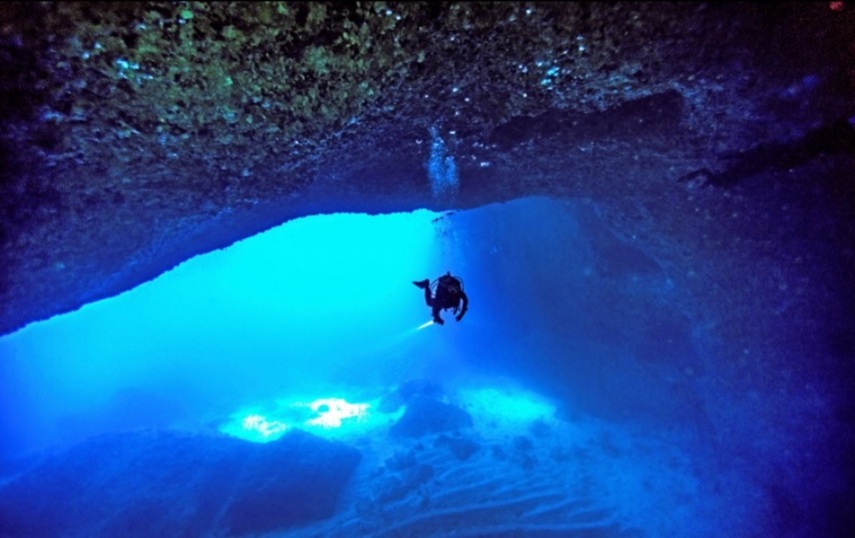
[331,411]
[292,306]
[425,325]
[265,428]
[507,405]
[326,417]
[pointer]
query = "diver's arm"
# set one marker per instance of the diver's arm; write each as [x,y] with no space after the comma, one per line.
[465,305]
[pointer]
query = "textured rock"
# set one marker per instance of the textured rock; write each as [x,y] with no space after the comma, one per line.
[136,135]
[461,447]
[416,387]
[428,415]
[170,484]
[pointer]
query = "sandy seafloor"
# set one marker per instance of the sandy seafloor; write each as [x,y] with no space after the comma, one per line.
[534,474]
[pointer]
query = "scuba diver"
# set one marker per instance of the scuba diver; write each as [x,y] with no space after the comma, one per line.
[448,294]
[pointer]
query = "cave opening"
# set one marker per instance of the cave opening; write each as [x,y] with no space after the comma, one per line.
[325,305]
[576,351]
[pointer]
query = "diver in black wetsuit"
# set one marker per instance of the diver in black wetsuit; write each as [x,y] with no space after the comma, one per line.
[449,294]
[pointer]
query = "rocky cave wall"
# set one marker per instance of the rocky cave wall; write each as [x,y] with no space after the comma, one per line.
[139,134]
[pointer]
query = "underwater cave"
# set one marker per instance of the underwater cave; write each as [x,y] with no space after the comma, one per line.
[210,318]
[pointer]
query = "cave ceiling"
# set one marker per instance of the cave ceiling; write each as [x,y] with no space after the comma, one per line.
[138,134]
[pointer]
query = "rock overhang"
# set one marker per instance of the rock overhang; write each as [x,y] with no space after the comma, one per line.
[139,134]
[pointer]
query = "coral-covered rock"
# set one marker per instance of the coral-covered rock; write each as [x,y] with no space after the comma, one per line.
[138,134]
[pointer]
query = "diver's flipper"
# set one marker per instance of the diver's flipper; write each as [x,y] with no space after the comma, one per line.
[423,284]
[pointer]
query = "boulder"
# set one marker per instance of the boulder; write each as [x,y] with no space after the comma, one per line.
[177,484]
[426,415]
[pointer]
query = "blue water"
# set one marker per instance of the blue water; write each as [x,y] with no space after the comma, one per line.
[567,361]
[313,302]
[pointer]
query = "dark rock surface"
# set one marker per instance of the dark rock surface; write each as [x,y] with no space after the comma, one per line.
[411,389]
[428,415]
[402,483]
[461,447]
[174,484]
[138,134]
